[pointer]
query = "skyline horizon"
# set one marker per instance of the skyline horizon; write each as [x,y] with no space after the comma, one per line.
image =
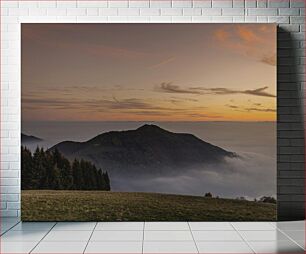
[140,121]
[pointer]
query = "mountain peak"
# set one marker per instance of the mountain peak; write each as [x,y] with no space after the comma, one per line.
[150,127]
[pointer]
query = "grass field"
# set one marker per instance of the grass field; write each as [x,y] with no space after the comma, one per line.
[50,205]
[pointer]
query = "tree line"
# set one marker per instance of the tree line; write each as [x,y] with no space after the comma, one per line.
[51,170]
[264,199]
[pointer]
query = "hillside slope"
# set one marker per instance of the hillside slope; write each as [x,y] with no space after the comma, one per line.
[26,139]
[119,206]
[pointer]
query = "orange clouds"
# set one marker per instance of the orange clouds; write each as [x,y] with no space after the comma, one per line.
[247,35]
[270,60]
[254,41]
[221,35]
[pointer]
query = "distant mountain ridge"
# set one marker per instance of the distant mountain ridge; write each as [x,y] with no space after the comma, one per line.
[146,150]
[29,139]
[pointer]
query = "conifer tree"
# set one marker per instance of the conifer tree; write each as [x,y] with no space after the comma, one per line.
[51,170]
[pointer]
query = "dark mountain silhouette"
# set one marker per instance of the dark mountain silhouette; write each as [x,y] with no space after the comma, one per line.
[26,139]
[144,151]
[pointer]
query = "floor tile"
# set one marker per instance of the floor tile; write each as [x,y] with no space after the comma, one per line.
[223,247]
[276,247]
[166,226]
[253,226]
[216,236]
[297,235]
[60,247]
[169,247]
[211,226]
[101,236]
[63,226]
[69,236]
[17,247]
[5,226]
[120,226]
[167,236]
[8,224]
[9,220]
[22,236]
[3,230]
[114,247]
[291,225]
[33,226]
[273,235]
[301,243]
[160,237]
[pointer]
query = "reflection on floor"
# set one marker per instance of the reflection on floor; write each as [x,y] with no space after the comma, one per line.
[152,237]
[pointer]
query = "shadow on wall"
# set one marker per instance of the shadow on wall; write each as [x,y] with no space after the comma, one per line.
[290,129]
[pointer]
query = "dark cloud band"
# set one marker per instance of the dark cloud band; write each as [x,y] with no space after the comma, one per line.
[170,88]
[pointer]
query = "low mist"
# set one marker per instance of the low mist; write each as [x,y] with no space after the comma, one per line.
[251,176]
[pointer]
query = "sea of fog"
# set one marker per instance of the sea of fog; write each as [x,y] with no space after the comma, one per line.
[251,175]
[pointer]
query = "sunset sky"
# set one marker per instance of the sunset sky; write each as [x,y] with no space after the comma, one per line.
[148,72]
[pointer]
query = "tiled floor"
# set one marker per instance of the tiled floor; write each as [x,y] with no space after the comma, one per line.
[152,237]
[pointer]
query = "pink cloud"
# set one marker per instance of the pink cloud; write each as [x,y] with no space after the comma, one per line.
[253,41]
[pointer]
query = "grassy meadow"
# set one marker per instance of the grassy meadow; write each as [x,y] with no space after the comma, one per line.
[51,205]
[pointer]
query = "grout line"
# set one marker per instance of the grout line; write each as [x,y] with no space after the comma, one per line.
[90,237]
[233,226]
[143,232]
[273,225]
[42,238]
[290,238]
[161,230]
[10,228]
[247,243]
[126,230]
[193,237]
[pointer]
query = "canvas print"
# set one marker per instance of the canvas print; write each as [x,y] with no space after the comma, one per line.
[154,122]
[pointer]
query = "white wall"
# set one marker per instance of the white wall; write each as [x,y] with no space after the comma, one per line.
[288,13]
